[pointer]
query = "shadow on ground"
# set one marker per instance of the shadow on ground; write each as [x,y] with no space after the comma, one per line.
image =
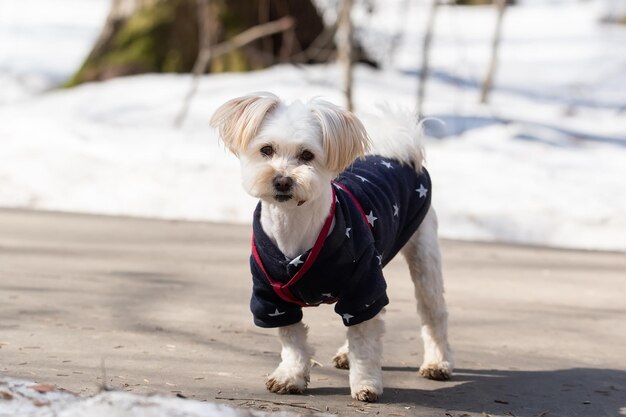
[578,392]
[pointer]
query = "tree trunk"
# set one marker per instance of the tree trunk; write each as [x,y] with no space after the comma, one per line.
[426,44]
[344,49]
[142,36]
[493,61]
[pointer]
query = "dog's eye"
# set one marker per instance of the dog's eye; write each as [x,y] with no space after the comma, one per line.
[306,156]
[267,150]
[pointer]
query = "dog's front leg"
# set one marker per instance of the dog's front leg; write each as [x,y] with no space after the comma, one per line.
[365,352]
[292,375]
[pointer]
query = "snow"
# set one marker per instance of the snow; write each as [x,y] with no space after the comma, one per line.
[28,399]
[41,42]
[543,163]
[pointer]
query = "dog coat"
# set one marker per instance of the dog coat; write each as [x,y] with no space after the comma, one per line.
[379,204]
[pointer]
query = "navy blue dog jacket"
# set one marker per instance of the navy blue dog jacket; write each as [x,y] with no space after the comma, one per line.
[379,204]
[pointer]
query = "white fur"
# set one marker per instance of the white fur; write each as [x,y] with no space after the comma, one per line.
[365,354]
[424,259]
[292,375]
[395,134]
[335,137]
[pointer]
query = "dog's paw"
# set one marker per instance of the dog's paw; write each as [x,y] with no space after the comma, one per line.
[280,382]
[368,395]
[440,371]
[341,360]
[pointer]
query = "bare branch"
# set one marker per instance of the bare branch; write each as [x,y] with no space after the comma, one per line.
[251,35]
[207,54]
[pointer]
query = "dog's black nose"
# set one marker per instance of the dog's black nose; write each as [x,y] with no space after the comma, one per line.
[282,184]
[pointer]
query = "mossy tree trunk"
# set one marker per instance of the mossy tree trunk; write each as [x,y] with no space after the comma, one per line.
[142,36]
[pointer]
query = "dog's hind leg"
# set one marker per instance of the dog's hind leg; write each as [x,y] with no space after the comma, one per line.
[340,360]
[292,374]
[424,259]
[365,351]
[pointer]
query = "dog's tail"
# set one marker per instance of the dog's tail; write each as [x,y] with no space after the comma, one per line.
[395,134]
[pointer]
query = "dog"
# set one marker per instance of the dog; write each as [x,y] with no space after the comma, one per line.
[337,203]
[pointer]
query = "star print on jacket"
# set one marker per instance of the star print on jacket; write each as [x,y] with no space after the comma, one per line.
[422,191]
[345,266]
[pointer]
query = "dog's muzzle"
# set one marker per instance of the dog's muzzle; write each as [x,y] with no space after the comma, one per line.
[282,186]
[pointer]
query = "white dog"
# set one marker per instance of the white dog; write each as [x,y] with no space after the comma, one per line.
[329,219]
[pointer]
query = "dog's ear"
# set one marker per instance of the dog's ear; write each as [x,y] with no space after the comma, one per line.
[344,137]
[238,120]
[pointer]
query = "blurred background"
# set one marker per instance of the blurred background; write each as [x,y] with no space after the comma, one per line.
[104,104]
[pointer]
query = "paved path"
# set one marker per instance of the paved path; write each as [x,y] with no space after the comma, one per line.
[164,305]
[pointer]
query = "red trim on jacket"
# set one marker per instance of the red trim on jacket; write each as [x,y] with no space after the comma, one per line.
[281,289]
[358,205]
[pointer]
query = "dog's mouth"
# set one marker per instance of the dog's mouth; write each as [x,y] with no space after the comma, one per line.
[281,198]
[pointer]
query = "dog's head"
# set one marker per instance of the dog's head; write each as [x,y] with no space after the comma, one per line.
[289,153]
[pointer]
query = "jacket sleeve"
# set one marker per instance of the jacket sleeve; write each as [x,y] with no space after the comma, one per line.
[366,294]
[268,309]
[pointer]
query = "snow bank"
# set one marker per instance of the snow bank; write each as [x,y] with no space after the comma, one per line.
[42,42]
[29,399]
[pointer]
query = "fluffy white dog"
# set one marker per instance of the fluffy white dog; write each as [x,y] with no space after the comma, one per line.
[337,202]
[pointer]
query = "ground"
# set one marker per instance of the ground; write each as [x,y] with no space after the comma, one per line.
[162,306]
